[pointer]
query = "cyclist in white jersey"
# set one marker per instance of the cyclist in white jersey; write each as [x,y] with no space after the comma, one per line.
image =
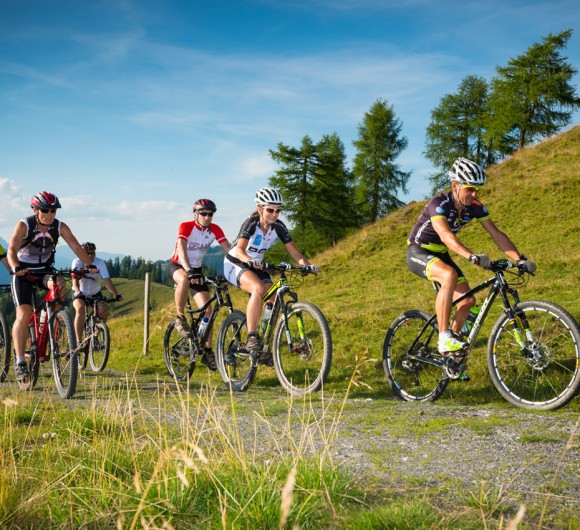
[244,266]
[185,267]
[90,285]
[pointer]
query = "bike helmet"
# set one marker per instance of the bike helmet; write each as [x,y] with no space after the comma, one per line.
[204,204]
[44,199]
[467,172]
[89,246]
[268,196]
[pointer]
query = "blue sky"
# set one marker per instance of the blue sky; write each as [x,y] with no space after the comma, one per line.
[130,110]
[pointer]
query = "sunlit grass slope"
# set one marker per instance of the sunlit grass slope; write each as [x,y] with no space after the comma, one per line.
[364,283]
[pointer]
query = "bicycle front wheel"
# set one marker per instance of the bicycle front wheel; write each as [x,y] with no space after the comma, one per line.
[4,347]
[405,343]
[99,346]
[64,355]
[180,354]
[31,360]
[302,358]
[538,368]
[236,366]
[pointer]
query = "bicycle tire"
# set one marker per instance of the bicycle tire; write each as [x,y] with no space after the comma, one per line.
[303,368]
[550,379]
[64,354]
[236,368]
[83,347]
[414,380]
[180,354]
[5,348]
[99,346]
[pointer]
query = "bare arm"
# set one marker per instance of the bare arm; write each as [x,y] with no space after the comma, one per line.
[182,253]
[241,249]
[226,246]
[15,241]
[501,240]
[109,285]
[74,245]
[448,238]
[297,256]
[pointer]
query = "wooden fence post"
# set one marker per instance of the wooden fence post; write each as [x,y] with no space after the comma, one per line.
[146,313]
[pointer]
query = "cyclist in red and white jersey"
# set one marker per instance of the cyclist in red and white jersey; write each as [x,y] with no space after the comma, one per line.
[32,248]
[434,234]
[244,266]
[193,241]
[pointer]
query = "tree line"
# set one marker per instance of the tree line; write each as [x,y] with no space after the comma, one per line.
[530,98]
[326,198]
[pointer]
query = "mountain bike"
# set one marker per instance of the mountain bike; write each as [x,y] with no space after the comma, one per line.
[96,343]
[51,337]
[533,352]
[296,335]
[5,339]
[181,353]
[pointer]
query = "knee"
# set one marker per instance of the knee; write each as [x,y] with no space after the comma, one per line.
[449,278]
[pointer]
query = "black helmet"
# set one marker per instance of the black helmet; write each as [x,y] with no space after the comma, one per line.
[88,246]
[204,204]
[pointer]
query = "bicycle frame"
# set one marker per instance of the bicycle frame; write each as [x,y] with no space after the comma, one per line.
[279,290]
[42,337]
[222,295]
[497,285]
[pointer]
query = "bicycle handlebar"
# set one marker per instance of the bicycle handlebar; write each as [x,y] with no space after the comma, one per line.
[285,267]
[504,264]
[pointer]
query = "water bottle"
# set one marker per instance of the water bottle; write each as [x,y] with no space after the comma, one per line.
[266,315]
[202,326]
[42,318]
[471,316]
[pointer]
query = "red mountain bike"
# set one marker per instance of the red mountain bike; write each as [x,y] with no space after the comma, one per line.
[51,337]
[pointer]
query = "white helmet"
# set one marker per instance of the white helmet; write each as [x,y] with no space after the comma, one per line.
[268,196]
[467,172]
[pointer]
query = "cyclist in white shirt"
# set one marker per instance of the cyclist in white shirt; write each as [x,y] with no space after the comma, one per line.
[244,266]
[90,286]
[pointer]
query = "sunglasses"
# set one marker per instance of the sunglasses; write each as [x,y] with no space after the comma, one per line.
[273,210]
[46,210]
[472,188]
[206,214]
[90,253]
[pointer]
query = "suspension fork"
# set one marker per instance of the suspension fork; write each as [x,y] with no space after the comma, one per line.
[513,319]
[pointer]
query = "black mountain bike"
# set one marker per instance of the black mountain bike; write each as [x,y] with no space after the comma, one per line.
[96,344]
[533,351]
[297,335]
[181,353]
[5,342]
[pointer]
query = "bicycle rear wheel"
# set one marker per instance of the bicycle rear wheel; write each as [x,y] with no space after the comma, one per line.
[236,366]
[64,355]
[303,365]
[99,346]
[5,347]
[412,379]
[545,375]
[180,354]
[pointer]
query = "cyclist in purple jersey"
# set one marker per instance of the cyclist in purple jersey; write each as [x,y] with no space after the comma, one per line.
[434,234]
[244,266]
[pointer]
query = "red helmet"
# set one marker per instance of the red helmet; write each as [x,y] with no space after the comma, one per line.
[44,199]
[204,204]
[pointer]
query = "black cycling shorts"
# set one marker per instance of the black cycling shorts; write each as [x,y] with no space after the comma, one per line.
[419,260]
[173,267]
[23,286]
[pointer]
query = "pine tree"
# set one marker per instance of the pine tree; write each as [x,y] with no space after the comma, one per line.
[379,178]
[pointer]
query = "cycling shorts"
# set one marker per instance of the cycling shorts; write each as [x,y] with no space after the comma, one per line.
[233,272]
[419,261]
[23,286]
[173,267]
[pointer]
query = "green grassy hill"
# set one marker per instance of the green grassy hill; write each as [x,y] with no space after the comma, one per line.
[365,284]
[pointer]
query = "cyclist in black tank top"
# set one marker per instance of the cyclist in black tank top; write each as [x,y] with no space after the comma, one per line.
[32,248]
